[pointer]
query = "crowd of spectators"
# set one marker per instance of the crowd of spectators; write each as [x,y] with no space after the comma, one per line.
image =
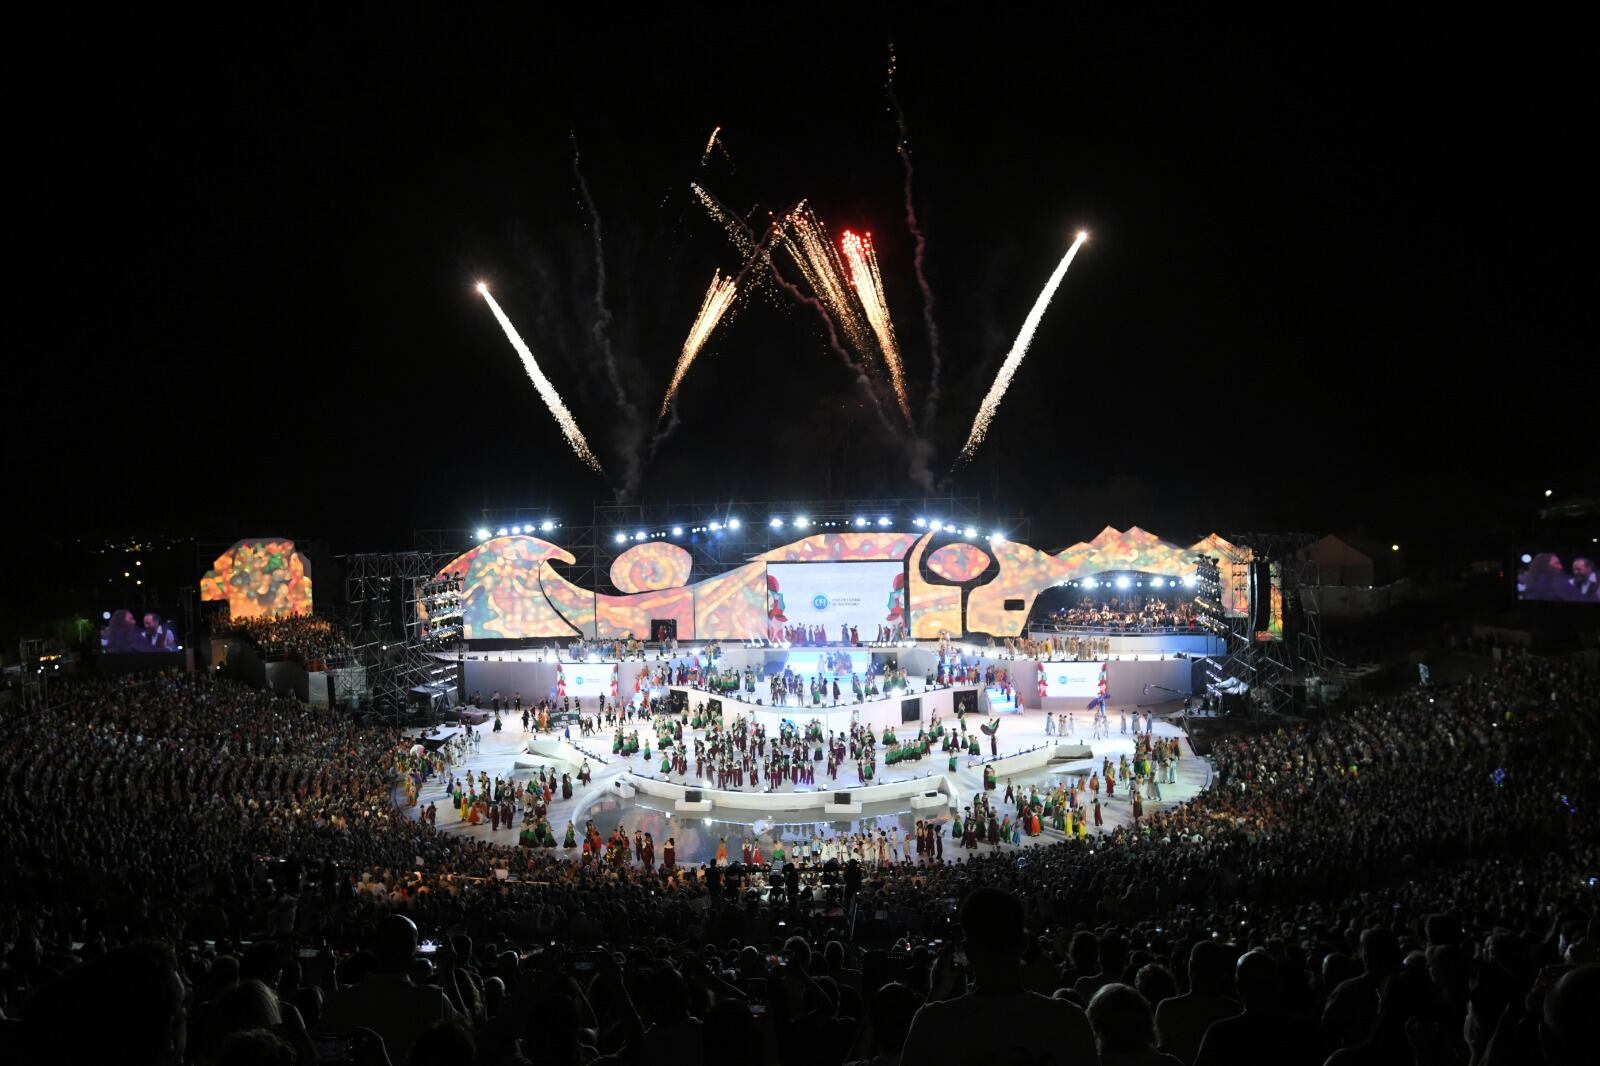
[1141,613]
[312,639]
[197,872]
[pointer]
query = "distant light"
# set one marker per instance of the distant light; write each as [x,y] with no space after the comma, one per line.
[483,290]
[1090,583]
[126,574]
[1083,235]
[483,534]
[547,525]
[1527,558]
[502,531]
[715,526]
[639,535]
[920,522]
[776,523]
[733,523]
[883,521]
[1189,580]
[621,538]
[1547,492]
[860,521]
[106,615]
[1123,582]
[935,524]
[677,531]
[138,562]
[136,582]
[1157,583]
[1394,547]
[971,532]
[801,522]
[516,530]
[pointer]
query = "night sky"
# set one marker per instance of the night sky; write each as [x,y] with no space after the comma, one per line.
[1332,269]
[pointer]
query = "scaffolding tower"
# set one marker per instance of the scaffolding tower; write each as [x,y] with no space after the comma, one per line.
[383,593]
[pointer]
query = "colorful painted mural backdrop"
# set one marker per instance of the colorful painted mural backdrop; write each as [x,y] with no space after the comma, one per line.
[260,577]
[511,590]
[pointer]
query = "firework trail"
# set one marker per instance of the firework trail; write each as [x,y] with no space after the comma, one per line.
[719,298]
[903,149]
[1019,348]
[738,231]
[547,391]
[714,144]
[869,293]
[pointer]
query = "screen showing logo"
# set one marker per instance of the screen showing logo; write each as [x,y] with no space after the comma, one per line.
[577,680]
[1062,680]
[819,602]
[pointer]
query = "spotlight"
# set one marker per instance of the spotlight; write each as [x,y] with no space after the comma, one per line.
[1394,547]
[1157,583]
[1090,583]
[776,523]
[1548,492]
[621,537]
[883,521]
[934,525]
[715,526]
[1526,558]
[677,531]
[919,523]
[547,525]
[1188,580]
[516,530]
[801,522]
[502,531]
[733,523]
[483,534]
[971,532]
[639,535]
[860,521]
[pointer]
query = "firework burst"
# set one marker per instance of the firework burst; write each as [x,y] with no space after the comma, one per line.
[868,283]
[718,301]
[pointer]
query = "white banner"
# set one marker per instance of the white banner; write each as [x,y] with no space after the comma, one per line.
[1072,679]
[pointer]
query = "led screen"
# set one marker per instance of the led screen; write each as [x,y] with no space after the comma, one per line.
[832,595]
[127,631]
[1557,578]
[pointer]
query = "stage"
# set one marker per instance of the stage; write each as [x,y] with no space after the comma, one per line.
[632,792]
[1134,677]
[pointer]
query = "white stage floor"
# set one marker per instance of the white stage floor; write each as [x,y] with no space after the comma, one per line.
[498,754]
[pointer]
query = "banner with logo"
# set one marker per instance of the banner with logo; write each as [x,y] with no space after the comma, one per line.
[1072,679]
[831,595]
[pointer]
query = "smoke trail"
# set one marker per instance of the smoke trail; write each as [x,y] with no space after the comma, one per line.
[903,149]
[547,391]
[1019,348]
[628,431]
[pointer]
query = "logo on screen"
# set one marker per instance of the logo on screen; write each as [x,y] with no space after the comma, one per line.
[819,602]
[1062,680]
[577,680]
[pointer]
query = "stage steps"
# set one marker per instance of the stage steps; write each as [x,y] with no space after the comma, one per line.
[1000,703]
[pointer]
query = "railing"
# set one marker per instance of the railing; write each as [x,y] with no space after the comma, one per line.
[1117,629]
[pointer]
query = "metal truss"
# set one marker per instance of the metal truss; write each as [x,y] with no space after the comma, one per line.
[382,593]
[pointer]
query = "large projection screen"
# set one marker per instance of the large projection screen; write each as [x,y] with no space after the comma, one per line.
[1072,679]
[835,594]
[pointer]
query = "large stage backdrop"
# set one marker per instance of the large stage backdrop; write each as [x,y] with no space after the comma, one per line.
[260,577]
[936,583]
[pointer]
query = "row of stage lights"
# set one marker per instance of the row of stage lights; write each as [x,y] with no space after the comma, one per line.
[547,526]
[776,522]
[1187,581]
